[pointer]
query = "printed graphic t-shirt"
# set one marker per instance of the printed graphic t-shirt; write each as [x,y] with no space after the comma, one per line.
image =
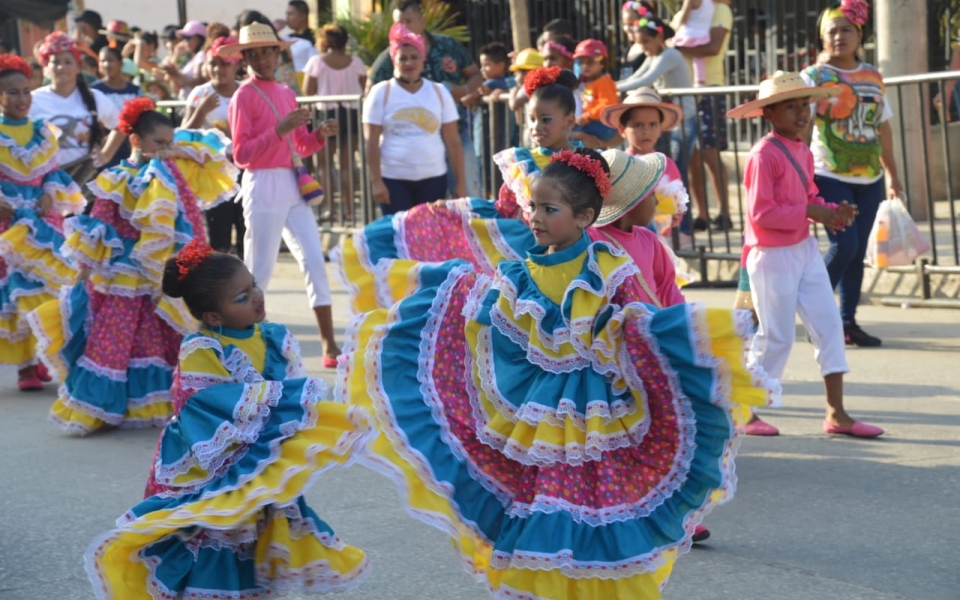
[846,135]
[411,147]
[71,116]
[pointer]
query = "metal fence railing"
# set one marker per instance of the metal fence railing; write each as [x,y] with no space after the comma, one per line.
[339,166]
[926,145]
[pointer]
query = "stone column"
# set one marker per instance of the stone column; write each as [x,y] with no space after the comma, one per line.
[903,49]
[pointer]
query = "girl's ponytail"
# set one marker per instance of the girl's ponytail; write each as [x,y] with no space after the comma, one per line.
[97,131]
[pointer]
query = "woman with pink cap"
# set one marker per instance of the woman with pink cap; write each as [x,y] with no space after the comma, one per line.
[410,124]
[192,38]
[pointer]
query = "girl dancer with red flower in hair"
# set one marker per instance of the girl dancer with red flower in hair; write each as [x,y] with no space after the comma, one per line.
[565,435]
[114,337]
[34,192]
[225,517]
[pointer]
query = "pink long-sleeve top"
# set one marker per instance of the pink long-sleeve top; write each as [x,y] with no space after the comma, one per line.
[776,199]
[651,258]
[256,144]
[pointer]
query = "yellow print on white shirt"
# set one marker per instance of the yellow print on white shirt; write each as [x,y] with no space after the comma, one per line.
[421,117]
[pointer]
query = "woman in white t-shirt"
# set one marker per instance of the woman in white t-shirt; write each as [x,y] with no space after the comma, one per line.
[415,120]
[83,116]
[337,73]
[207,108]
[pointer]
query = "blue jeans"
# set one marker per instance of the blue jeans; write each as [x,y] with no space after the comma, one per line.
[847,248]
[471,168]
[405,194]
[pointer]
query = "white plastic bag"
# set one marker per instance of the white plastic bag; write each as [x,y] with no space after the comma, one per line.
[895,239]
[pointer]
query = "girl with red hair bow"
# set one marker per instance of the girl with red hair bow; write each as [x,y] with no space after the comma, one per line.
[34,194]
[114,337]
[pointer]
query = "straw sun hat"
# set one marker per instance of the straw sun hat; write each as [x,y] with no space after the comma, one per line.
[782,86]
[644,96]
[632,179]
[256,35]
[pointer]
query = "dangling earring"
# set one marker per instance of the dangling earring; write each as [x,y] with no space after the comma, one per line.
[220,330]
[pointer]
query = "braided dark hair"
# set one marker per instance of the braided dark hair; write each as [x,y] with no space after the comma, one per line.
[97,131]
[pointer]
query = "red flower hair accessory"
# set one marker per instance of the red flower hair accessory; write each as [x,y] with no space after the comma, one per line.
[192,256]
[132,111]
[588,165]
[55,43]
[10,62]
[539,78]
[856,11]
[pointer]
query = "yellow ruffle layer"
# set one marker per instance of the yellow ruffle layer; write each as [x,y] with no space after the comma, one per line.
[46,321]
[21,253]
[40,156]
[74,418]
[279,556]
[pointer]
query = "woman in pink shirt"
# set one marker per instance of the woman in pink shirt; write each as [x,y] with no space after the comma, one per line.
[623,221]
[263,145]
[787,274]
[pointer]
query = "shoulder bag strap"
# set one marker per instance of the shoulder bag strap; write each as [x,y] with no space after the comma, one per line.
[640,277]
[293,151]
[793,161]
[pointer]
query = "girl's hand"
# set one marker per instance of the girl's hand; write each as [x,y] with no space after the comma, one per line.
[298,118]
[83,274]
[6,211]
[828,217]
[895,189]
[166,154]
[848,212]
[328,128]
[44,204]
[381,195]
[209,103]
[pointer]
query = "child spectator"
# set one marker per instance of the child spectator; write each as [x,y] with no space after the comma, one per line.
[695,17]
[787,273]
[525,61]
[558,52]
[598,90]
[491,135]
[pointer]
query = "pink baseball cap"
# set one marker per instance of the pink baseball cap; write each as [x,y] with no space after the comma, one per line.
[590,49]
[193,28]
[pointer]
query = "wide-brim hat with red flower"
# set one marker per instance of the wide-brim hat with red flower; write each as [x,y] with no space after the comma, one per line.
[643,97]
[782,86]
[633,177]
[255,35]
[117,29]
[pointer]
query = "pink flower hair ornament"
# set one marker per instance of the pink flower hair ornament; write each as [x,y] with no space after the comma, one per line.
[55,43]
[588,165]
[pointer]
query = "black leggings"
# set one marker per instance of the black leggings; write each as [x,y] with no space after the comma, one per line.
[221,221]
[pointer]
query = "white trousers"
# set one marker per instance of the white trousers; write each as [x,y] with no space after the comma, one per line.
[785,281]
[273,209]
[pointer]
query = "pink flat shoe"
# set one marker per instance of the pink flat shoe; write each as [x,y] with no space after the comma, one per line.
[760,427]
[700,534]
[329,363]
[27,381]
[43,373]
[858,429]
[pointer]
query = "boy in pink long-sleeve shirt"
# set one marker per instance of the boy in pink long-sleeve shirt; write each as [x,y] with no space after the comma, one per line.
[268,127]
[787,273]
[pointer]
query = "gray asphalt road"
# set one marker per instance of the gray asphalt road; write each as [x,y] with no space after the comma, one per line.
[814,517]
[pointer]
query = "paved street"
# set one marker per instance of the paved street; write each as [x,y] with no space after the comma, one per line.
[814,517]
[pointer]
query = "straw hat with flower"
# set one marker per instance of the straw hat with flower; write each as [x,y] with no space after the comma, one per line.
[255,35]
[782,86]
[632,179]
[641,97]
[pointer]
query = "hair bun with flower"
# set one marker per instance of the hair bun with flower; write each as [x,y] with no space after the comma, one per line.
[10,62]
[55,43]
[588,165]
[192,256]
[131,113]
[539,78]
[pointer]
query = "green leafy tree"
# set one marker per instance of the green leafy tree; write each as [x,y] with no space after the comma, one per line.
[370,36]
